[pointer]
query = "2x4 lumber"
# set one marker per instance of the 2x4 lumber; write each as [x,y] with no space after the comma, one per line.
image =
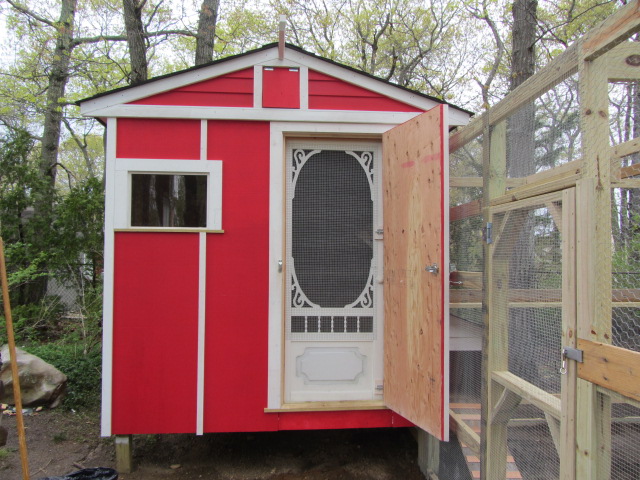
[477,182]
[614,368]
[469,279]
[506,406]
[546,402]
[567,440]
[623,149]
[554,430]
[549,181]
[614,30]
[621,64]
[464,432]
[617,398]
[628,183]
[428,454]
[124,453]
[553,73]
[621,297]
[466,210]
[495,351]
[593,245]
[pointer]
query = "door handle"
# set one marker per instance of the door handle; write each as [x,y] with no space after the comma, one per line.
[433,268]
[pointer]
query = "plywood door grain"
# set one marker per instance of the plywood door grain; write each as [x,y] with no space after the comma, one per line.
[415,300]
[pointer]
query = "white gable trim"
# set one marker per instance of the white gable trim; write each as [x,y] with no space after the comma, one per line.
[265,114]
[293,58]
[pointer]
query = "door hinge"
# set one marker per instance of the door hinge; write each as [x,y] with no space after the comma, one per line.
[569,353]
[487,233]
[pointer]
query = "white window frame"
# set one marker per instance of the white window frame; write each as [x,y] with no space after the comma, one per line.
[125,167]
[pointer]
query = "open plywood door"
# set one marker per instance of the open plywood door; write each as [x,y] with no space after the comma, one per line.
[416,234]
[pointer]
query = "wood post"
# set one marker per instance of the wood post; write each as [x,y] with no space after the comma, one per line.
[493,451]
[428,454]
[593,265]
[124,453]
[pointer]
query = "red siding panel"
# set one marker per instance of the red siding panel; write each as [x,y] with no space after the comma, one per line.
[280,88]
[238,282]
[329,93]
[155,333]
[231,90]
[158,138]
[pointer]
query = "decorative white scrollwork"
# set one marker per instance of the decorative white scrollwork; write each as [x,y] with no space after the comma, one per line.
[300,157]
[298,297]
[365,159]
[365,300]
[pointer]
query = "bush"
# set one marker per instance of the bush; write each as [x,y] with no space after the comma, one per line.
[83,371]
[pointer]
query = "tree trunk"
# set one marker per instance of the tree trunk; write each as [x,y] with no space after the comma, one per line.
[206,31]
[135,40]
[55,92]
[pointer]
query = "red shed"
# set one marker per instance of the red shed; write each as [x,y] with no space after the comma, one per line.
[276,249]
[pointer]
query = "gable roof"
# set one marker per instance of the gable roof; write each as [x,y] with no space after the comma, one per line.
[266,55]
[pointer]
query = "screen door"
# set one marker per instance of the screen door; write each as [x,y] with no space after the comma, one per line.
[333,251]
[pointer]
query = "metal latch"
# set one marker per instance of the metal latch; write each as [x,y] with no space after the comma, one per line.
[487,232]
[569,353]
[433,268]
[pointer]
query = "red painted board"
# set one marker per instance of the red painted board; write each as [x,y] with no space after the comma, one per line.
[231,90]
[329,93]
[335,420]
[158,138]
[280,88]
[237,321]
[155,331]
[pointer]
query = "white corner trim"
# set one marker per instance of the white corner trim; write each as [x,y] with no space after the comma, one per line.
[202,297]
[445,270]
[108,281]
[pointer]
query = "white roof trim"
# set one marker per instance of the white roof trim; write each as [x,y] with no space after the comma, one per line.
[293,58]
[266,114]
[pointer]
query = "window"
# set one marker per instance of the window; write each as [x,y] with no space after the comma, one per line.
[168,194]
[166,200]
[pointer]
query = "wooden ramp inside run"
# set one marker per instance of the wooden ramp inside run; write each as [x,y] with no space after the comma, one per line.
[465,420]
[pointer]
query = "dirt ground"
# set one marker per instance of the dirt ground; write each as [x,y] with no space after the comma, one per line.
[61,442]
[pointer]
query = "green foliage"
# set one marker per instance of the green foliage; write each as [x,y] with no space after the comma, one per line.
[82,369]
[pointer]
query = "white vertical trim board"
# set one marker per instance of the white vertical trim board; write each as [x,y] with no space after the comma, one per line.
[276,254]
[257,86]
[304,88]
[202,290]
[203,140]
[107,296]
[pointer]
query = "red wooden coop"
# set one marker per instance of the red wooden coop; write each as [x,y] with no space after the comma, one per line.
[276,249]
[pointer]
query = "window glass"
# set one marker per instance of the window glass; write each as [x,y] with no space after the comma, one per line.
[168,200]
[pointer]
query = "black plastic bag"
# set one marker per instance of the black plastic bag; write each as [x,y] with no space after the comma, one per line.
[100,473]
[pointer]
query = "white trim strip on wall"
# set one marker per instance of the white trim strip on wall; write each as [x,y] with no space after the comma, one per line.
[257,114]
[108,279]
[203,140]
[202,283]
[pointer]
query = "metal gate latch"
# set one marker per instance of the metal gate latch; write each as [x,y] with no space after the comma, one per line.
[569,353]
